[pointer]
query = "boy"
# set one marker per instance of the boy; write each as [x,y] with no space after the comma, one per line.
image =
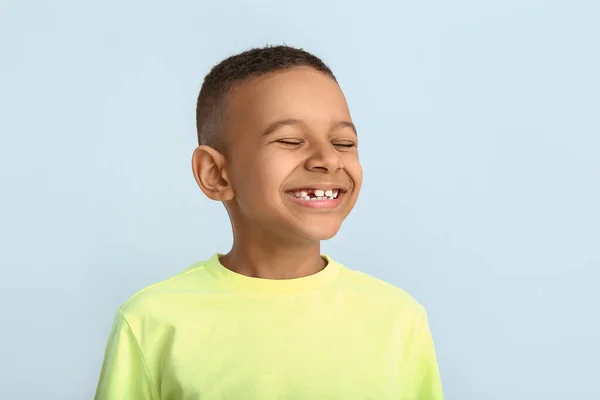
[273,318]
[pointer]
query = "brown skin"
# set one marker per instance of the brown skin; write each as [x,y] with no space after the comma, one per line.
[275,237]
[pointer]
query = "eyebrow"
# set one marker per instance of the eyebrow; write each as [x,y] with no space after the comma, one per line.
[345,124]
[295,122]
[282,122]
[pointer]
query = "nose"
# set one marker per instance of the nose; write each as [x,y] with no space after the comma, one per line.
[324,158]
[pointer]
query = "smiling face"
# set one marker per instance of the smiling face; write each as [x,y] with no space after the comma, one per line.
[291,154]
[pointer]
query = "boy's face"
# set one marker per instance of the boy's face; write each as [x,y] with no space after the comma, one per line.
[290,139]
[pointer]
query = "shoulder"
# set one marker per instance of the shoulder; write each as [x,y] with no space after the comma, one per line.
[159,298]
[376,290]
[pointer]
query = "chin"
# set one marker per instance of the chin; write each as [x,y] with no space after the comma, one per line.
[322,232]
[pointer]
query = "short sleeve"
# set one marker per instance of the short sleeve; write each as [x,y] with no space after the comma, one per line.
[124,374]
[426,383]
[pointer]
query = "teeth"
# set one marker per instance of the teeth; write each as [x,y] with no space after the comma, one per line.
[319,194]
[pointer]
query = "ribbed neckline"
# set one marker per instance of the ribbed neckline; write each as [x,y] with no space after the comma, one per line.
[242,282]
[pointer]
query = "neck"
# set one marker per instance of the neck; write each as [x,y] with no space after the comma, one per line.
[260,255]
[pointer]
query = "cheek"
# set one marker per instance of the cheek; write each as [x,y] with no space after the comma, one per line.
[259,183]
[354,169]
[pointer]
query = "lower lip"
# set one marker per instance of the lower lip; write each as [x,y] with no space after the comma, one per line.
[318,203]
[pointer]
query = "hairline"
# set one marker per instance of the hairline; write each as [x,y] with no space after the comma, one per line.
[220,139]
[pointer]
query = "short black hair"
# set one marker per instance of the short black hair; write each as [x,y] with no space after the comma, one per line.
[212,99]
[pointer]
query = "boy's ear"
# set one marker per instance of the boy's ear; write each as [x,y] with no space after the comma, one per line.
[210,173]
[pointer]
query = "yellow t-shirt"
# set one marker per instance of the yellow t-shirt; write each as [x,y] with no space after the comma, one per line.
[209,333]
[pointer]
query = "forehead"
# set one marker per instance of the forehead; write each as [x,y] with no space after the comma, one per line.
[298,93]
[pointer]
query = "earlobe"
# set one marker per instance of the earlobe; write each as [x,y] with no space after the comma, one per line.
[209,170]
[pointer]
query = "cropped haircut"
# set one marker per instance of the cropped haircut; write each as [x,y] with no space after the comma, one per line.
[213,97]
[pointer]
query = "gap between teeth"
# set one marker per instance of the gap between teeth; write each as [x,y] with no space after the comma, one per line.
[319,194]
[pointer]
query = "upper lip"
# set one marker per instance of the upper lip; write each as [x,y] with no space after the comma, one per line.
[319,186]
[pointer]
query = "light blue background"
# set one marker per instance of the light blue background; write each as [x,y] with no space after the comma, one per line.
[480,138]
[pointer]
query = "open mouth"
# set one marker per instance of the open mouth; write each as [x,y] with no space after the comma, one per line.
[315,194]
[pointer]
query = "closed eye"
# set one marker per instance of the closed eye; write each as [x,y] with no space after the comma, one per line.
[347,145]
[289,142]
